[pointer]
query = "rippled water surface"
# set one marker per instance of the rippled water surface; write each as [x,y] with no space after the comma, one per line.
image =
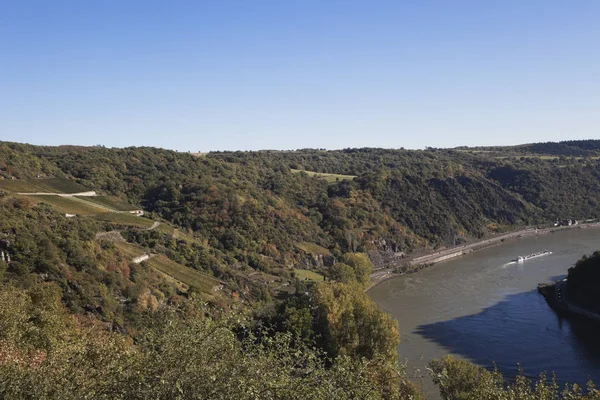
[485,310]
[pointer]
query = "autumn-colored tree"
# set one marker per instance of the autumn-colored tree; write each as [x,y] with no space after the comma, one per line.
[361,265]
[180,354]
[341,272]
[352,324]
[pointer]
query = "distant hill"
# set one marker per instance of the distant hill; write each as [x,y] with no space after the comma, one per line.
[567,148]
[238,216]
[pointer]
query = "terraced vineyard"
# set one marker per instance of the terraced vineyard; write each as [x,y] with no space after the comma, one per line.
[69,205]
[50,185]
[111,202]
[125,219]
[130,250]
[168,229]
[186,275]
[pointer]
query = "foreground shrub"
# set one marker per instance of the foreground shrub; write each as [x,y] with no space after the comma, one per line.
[462,380]
[182,354]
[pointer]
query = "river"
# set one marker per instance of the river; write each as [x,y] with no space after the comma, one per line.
[485,310]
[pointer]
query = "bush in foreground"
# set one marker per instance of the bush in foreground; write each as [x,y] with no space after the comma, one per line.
[461,380]
[182,354]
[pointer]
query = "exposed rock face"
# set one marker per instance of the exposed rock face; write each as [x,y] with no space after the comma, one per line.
[310,261]
[386,258]
[385,245]
[387,254]
[111,236]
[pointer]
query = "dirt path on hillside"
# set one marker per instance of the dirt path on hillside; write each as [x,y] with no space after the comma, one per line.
[82,194]
[154,226]
[91,203]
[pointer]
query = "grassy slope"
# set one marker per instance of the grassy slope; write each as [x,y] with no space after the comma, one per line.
[171,270]
[310,275]
[313,248]
[130,250]
[125,219]
[179,234]
[189,276]
[328,177]
[51,185]
[168,229]
[68,205]
[111,202]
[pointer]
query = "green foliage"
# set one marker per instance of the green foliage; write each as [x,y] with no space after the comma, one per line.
[340,319]
[111,202]
[188,276]
[460,380]
[33,319]
[124,219]
[312,248]
[306,274]
[183,354]
[353,268]
[17,161]
[251,204]
[69,205]
[46,185]
[350,323]
[94,277]
[361,265]
[39,238]
[249,220]
[561,191]
[583,284]
[343,273]
[328,177]
[129,250]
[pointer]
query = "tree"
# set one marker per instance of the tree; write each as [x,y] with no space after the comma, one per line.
[361,264]
[341,272]
[186,354]
[352,324]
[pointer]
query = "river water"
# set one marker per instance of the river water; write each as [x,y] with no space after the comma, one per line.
[485,310]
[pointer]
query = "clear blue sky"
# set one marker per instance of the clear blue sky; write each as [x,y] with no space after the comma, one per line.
[286,74]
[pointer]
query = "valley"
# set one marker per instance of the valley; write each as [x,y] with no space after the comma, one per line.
[285,241]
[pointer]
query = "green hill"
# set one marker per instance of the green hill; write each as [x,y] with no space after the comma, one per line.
[254,240]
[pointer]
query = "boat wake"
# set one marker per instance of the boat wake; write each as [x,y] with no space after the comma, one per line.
[521,259]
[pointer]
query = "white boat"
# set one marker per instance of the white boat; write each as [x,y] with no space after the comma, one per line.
[521,259]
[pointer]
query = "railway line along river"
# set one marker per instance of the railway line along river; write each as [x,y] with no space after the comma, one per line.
[487,310]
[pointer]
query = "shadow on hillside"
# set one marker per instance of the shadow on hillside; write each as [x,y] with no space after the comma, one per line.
[523,329]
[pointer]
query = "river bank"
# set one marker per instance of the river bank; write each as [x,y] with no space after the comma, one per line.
[416,263]
[556,297]
[486,310]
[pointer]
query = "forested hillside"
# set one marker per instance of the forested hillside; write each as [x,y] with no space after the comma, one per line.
[284,239]
[584,281]
[230,214]
[566,148]
[398,194]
